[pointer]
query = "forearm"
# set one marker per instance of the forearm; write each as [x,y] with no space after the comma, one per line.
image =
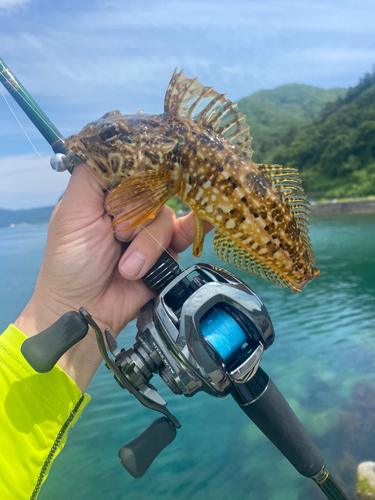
[36,412]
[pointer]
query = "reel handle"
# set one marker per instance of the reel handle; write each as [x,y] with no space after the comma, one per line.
[138,455]
[44,350]
[264,404]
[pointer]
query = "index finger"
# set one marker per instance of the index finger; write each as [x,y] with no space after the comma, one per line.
[184,233]
[84,193]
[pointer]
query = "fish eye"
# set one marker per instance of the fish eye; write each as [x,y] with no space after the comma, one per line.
[108,133]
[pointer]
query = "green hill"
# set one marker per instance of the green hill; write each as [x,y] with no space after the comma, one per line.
[275,116]
[31,216]
[336,153]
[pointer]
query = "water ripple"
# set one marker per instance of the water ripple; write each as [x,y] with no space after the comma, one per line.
[325,344]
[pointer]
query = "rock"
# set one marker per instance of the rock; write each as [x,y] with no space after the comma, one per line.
[365,488]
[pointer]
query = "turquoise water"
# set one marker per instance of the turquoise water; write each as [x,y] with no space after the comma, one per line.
[322,360]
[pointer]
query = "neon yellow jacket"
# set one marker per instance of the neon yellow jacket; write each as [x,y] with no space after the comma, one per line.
[36,412]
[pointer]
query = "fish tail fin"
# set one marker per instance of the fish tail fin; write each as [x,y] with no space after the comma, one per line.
[287,182]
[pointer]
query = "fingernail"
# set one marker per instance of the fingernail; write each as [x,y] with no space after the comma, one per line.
[133,263]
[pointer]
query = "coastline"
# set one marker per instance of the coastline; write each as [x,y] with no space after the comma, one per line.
[331,207]
[344,207]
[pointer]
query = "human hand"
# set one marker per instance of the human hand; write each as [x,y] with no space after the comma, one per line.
[85,266]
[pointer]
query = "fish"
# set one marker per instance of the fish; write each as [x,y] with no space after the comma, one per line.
[200,150]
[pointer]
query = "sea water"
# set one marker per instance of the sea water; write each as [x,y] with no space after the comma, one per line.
[323,361]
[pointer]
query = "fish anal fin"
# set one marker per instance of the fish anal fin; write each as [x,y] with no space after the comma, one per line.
[228,251]
[188,98]
[217,238]
[140,197]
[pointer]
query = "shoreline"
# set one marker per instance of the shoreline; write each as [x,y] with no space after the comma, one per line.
[333,207]
[348,207]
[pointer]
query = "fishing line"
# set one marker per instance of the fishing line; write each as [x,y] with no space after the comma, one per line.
[142,226]
[87,167]
[41,117]
[219,329]
[23,130]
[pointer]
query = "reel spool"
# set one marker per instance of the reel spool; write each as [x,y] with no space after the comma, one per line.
[223,333]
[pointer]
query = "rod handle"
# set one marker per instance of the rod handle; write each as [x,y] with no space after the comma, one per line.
[138,455]
[44,349]
[271,413]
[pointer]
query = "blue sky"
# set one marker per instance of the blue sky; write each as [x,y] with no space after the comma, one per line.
[80,59]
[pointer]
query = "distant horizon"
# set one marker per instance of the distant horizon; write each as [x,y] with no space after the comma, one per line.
[80,63]
[26,209]
[50,179]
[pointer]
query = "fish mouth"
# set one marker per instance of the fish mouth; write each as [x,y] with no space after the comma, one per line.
[78,148]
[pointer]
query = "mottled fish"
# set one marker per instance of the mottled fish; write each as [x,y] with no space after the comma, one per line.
[200,150]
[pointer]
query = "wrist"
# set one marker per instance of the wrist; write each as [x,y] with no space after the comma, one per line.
[35,317]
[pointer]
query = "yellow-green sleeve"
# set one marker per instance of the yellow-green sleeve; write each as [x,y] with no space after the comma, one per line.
[36,412]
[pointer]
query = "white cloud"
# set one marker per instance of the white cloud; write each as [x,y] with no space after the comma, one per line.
[27,181]
[9,5]
[120,55]
[129,49]
[269,18]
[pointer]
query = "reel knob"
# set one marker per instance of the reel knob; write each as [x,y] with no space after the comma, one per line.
[138,455]
[44,350]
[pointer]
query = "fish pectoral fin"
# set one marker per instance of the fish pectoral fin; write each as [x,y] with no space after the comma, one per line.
[140,197]
[199,236]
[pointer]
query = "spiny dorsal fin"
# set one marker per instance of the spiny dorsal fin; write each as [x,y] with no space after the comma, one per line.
[230,252]
[188,98]
[287,182]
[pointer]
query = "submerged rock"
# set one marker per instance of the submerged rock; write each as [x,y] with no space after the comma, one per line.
[350,441]
[365,489]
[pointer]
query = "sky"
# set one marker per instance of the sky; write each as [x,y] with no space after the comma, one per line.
[80,59]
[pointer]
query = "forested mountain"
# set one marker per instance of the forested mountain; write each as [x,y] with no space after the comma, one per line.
[31,216]
[336,153]
[329,135]
[275,116]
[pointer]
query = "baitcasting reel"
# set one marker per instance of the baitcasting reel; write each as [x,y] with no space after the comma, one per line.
[205,331]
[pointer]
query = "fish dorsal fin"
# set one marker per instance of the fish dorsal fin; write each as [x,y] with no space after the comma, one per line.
[188,98]
[230,252]
[287,182]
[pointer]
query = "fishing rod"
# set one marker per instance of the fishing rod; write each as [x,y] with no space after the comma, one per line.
[206,330]
[48,130]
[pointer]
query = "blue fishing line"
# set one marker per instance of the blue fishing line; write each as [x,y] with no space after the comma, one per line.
[223,333]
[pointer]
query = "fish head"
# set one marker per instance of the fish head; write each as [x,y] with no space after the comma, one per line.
[108,146]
